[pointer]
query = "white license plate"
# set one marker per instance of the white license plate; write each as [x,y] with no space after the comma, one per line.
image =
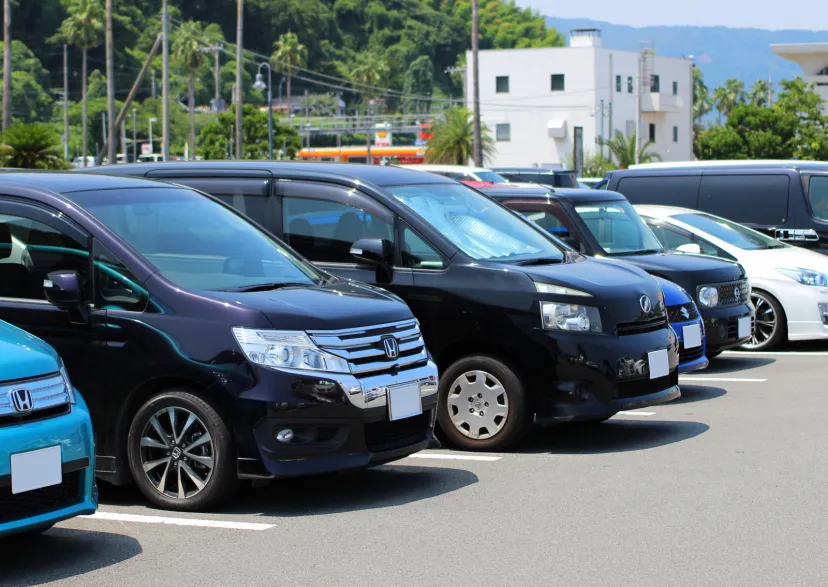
[744,327]
[36,469]
[404,401]
[659,362]
[691,336]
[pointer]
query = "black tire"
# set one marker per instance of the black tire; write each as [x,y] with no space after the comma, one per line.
[771,329]
[222,480]
[518,418]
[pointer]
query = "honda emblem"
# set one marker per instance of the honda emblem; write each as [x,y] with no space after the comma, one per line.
[22,400]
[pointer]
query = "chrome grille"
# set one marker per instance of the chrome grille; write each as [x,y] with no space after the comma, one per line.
[49,395]
[364,348]
[728,295]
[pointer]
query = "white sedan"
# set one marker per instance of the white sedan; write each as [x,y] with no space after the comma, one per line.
[789,284]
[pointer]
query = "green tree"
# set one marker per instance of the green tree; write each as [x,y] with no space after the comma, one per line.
[96,85]
[760,93]
[419,81]
[702,102]
[729,96]
[366,71]
[801,100]
[622,149]
[215,138]
[83,28]
[30,102]
[452,142]
[188,48]
[288,55]
[32,146]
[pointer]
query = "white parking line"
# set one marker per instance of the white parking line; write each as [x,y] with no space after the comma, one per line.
[775,354]
[115,517]
[453,457]
[721,379]
[637,413]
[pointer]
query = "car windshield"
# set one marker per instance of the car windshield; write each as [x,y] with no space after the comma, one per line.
[730,232]
[618,228]
[476,225]
[490,176]
[195,241]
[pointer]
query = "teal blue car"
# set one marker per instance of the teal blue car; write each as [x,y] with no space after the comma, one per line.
[47,448]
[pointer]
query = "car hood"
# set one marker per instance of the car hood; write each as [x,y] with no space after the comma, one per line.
[23,356]
[334,306]
[689,271]
[674,295]
[769,260]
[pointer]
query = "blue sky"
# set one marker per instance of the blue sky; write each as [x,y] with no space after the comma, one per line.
[763,14]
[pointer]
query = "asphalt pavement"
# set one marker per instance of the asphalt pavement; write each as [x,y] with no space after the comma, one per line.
[725,486]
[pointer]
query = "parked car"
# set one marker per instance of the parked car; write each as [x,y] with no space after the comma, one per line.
[519,326]
[786,200]
[554,178]
[460,172]
[208,350]
[47,449]
[685,320]
[789,284]
[589,183]
[603,223]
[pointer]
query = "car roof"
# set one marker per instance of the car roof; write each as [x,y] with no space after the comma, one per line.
[573,195]
[65,182]
[455,168]
[380,175]
[530,170]
[662,211]
[718,164]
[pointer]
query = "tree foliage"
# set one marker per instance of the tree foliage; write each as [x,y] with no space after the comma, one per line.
[623,150]
[31,146]
[214,139]
[452,142]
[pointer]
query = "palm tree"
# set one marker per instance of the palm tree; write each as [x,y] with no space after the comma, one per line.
[453,139]
[31,146]
[289,54]
[188,48]
[728,96]
[623,150]
[760,93]
[366,72]
[83,28]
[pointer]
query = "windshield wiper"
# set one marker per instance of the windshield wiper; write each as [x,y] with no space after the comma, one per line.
[264,287]
[641,252]
[540,261]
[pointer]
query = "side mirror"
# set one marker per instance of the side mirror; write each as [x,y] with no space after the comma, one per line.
[372,251]
[63,289]
[691,248]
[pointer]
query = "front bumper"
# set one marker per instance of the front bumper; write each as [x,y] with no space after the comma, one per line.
[806,309]
[76,495]
[347,427]
[721,326]
[693,359]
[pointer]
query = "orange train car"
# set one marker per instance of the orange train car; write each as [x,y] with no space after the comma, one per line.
[409,155]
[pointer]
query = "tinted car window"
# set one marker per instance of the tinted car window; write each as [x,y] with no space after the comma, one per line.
[418,254]
[755,199]
[248,196]
[730,232]
[617,227]
[672,238]
[681,191]
[818,196]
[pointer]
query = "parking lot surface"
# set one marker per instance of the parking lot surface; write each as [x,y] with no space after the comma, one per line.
[722,487]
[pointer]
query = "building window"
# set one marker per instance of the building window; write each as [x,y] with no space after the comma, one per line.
[629,85]
[675,88]
[652,132]
[502,84]
[557,82]
[675,134]
[503,132]
[617,83]
[655,84]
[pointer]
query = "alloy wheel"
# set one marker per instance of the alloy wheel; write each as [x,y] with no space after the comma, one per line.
[766,322]
[177,453]
[478,405]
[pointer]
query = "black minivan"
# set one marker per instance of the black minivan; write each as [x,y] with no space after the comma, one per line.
[207,350]
[787,200]
[519,326]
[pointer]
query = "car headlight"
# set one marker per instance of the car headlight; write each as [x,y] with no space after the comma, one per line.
[548,288]
[287,349]
[570,317]
[708,296]
[806,276]
[70,391]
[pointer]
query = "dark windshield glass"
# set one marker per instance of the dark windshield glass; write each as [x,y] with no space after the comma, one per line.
[618,228]
[475,224]
[193,240]
[730,232]
[818,196]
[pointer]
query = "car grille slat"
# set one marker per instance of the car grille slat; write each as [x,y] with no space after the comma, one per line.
[641,327]
[727,293]
[688,355]
[50,398]
[14,507]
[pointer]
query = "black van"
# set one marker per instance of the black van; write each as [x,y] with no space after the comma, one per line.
[555,178]
[786,200]
[519,325]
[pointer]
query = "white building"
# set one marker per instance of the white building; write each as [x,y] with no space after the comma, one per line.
[536,101]
[812,58]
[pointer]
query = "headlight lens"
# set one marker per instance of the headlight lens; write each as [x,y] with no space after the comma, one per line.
[70,391]
[548,288]
[708,296]
[288,350]
[570,317]
[806,276]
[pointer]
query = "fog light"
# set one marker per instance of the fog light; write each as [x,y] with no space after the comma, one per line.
[285,435]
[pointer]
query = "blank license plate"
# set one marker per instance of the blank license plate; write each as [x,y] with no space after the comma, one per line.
[36,469]
[659,364]
[744,327]
[404,401]
[691,336]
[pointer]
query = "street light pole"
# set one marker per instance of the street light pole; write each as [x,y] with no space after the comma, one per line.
[259,86]
[478,145]
[134,136]
[152,147]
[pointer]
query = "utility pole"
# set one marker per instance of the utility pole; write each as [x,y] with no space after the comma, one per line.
[478,144]
[239,57]
[65,101]
[602,127]
[165,82]
[123,141]
[134,136]
[369,158]
[7,65]
[110,87]
[153,79]
[638,80]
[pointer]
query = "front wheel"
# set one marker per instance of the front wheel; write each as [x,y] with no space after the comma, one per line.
[483,404]
[771,328]
[181,453]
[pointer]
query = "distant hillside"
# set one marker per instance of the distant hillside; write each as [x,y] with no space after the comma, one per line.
[720,52]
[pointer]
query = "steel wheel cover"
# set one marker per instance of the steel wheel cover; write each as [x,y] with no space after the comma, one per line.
[766,322]
[478,405]
[177,453]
